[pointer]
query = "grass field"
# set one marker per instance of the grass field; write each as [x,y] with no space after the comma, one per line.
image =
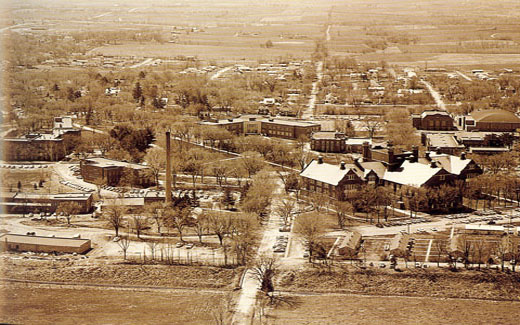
[94,306]
[346,309]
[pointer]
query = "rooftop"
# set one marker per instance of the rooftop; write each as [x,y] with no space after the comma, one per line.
[41,240]
[411,174]
[443,141]
[105,163]
[326,173]
[328,135]
[495,116]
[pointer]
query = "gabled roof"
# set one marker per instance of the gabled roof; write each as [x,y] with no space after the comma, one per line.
[495,116]
[375,166]
[327,173]
[411,174]
[452,164]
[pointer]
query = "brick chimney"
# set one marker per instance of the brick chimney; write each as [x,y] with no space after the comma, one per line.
[342,165]
[168,185]
[320,159]
[366,150]
[415,154]
[463,156]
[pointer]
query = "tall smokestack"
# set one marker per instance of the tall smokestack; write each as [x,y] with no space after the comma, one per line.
[168,186]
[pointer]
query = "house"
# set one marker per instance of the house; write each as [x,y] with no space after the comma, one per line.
[328,141]
[433,120]
[349,245]
[331,180]
[493,120]
[399,245]
[110,172]
[42,244]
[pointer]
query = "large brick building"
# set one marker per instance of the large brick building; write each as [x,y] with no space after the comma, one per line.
[251,125]
[493,120]
[433,120]
[109,172]
[328,141]
[18,202]
[53,145]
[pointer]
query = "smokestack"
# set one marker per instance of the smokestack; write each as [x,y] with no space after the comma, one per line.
[168,186]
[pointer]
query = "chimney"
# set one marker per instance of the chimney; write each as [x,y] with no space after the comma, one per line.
[391,157]
[342,165]
[415,154]
[320,159]
[463,156]
[433,164]
[168,185]
[427,155]
[438,151]
[366,150]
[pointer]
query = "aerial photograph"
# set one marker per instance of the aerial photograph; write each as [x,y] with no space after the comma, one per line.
[254,162]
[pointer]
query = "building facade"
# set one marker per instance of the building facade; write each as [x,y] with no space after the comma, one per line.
[433,120]
[110,172]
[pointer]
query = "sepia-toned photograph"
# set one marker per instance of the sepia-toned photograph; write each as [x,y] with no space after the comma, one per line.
[247,162]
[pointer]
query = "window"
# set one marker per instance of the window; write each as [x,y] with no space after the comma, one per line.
[442,177]
[350,187]
[351,177]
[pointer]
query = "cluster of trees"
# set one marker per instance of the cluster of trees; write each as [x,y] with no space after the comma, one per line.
[479,94]
[399,129]
[478,251]
[235,231]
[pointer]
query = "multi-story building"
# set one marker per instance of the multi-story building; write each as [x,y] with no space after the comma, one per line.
[52,145]
[110,172]
[433,120]
[333,181]
[328,141]
[281,128]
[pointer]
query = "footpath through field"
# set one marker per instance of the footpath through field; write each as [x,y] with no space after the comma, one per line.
[245,306]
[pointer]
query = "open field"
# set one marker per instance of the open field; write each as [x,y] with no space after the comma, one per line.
[123,274]
[409,282]
[41,305]
[355,309]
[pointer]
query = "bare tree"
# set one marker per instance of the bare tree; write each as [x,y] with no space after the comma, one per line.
[285,208]
[342,208]
[311,229]
[115,215]
[201,225]
[124,243]
[156,159]
[155,211]
[68,209]
[178,218]
[139,223]
[263,270]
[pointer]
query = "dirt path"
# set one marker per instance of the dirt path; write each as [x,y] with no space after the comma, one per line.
[220,72]
[309,111]
[436,96]
[463,75]
[244,309]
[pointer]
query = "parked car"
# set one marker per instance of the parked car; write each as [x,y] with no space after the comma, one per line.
[189,246]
